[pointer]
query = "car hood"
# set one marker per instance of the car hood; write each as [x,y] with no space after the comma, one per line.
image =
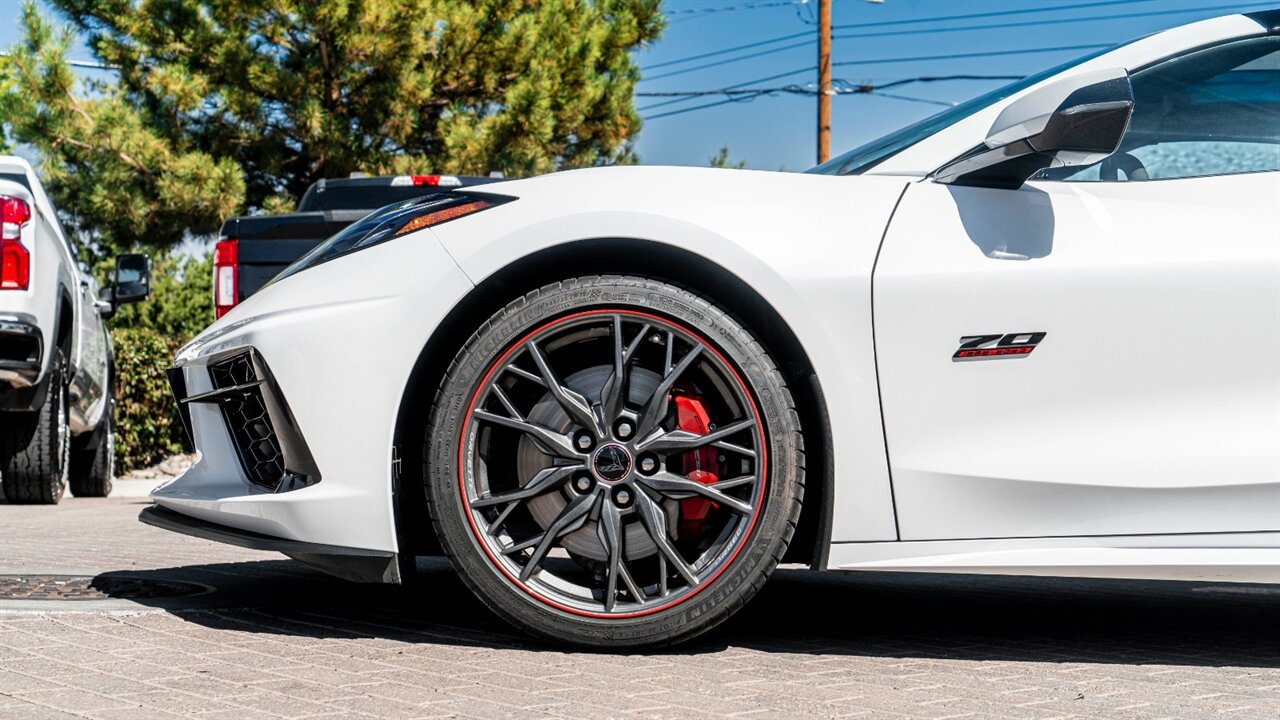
[761,226]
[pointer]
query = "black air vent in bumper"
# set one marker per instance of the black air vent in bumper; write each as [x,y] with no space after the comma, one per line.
[271,450]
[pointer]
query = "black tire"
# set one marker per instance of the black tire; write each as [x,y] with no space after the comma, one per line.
[747,551]
[34,447]
[93,465]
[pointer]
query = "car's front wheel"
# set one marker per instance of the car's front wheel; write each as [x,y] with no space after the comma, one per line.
[34,447]
[614,462]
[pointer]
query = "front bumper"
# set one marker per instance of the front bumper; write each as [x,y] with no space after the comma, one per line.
[332,350]
[356,565]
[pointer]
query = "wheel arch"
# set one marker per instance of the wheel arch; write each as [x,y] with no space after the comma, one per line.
[646,258]
[64,333]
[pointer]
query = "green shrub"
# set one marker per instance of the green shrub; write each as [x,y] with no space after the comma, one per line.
[147,424]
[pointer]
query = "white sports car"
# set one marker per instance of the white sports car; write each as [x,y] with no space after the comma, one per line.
[1038,333]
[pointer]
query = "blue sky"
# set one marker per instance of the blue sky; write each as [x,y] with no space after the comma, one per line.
[775,132]
[779,131]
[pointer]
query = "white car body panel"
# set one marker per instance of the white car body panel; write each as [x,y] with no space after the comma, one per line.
[1141,288]
[1148,461]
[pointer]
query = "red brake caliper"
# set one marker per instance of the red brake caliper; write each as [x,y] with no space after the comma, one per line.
[697,465]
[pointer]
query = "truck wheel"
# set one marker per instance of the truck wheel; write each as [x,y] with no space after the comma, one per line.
[34,447]
[93,467]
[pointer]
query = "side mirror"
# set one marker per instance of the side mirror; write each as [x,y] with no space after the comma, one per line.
[133,279]
[1076,121]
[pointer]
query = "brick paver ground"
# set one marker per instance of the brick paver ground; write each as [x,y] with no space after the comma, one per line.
[278,640]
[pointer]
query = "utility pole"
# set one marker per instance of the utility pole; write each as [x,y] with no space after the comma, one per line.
[824,80]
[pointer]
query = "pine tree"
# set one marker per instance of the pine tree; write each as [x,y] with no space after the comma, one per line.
[297,90]
[117,183]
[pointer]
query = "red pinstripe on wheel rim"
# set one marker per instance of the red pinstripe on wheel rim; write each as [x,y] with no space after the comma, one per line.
[722,363]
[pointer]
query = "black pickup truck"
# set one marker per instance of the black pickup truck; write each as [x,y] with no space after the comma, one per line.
[252,249]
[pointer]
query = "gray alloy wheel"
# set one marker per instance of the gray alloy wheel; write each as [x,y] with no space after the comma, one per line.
[603,474]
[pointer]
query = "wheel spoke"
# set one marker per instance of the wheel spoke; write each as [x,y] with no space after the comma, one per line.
[682,440]
[654,519]
[544,480]
[734,448]
[577,407]
[521,372]
[630,582]
[733,482]
[571,518]
[656,408]
[551,442]
[669,483]
[614,393]
[499,522]
[609,531]
[662,575]
[506,401]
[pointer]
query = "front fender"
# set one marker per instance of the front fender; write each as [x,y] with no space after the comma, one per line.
[799,246]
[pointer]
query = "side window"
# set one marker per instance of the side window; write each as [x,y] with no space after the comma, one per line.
[1214,111]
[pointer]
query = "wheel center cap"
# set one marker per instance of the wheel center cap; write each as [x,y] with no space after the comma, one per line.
[611,462]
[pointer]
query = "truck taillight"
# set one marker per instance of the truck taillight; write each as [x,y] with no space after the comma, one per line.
[226,276]
[15,259]
[426,181]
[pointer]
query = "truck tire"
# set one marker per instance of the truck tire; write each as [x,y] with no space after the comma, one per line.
[93,465]
[35,447]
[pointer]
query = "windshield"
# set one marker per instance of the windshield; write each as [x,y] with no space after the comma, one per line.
[861,159]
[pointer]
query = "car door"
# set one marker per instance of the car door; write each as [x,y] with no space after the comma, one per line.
[1098,352]
[88,387]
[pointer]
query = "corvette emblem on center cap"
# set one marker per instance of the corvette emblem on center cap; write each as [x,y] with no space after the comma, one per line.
[611,463]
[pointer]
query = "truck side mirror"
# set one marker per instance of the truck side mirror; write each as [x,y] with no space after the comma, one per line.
[1075,121]
[133,278]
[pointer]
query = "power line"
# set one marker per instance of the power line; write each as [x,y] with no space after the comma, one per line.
[735,48]
[695,107]
[959,56]
[920,31]
[1055,21]
[994,13]
[793,89]
[908,98]
[840,86]
[745,83]
[726,61]
[809,89]
[771,91]
[884,23]
[885,61]
[734,8]
[870,87]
